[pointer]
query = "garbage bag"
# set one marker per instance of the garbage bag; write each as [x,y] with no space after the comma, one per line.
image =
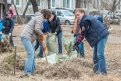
[51,43]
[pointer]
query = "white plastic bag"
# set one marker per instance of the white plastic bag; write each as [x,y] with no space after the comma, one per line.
[51,59]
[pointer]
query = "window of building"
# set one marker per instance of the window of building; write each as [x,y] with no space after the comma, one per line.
[53,4]
[9,1]
[38,2]
[17,2]
[66,3]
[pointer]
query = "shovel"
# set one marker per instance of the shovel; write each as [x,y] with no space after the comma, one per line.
[43,42]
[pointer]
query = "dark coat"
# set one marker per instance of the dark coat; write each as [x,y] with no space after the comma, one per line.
[55,25]
[94,30]
[8,24]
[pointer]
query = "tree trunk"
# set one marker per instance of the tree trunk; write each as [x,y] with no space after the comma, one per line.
[114,6]
[49,3]
[19,20]
[78,3]
[26,9]
[34,4]
[6,5]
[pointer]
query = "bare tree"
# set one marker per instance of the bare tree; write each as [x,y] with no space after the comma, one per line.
[6,5]
[110,4]
[49,3]
[19,20]
[115,4]
[78,3]
[85,3]
[34,4]
[26,8]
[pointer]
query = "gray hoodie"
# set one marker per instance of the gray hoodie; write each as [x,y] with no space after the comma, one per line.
[35,25]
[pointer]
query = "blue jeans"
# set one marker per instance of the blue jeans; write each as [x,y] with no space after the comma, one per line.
[80,49]
[59,43]
[40,51]
[30,62]
[99,58]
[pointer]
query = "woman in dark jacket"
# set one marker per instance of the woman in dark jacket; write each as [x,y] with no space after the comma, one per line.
[56,29]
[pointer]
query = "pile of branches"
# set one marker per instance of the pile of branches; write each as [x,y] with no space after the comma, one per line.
[8,63]
[5,47]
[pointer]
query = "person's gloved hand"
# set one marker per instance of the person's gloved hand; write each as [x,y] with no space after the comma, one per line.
[75,35]
[2,40]
[41,38]
[3,27]
[72,31]
[10,34]
[49,34]
[55,33]
[0,33]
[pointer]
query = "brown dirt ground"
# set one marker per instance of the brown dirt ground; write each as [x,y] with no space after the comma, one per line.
[75,70]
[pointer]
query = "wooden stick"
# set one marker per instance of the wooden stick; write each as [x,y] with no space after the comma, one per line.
[41,41]
[46,57]
[15,61]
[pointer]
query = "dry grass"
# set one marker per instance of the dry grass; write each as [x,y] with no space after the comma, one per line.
[71,69]
[75,70]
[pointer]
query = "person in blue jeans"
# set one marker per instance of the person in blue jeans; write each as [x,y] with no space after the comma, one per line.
[31,32]
[56,29]
[96,35]
[46,29]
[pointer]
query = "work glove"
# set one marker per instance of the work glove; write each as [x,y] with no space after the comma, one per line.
[48,33]
[72,31]
[10,34]
[3,27]
[2,40]
[75,35]
[0,33]
[55,33]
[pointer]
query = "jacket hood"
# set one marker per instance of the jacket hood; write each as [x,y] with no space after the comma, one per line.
[38,14]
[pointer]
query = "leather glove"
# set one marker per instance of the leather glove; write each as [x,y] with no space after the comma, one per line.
[55,33]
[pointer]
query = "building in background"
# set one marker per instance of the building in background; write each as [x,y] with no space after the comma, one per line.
[44,4]
[21,4]
[68,4]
